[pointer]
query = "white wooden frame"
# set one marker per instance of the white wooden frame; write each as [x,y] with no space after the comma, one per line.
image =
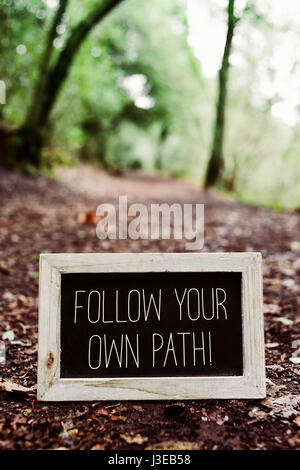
[53,388]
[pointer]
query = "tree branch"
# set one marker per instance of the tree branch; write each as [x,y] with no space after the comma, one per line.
[45,59]
[60,70]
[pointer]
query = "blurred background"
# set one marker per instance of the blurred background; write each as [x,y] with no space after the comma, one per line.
[207,91]
[164,101]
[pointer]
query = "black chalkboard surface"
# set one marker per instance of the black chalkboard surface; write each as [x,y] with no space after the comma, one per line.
[162,324]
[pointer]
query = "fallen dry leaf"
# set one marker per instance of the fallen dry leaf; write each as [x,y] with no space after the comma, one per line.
[117,418]
[137,439]
[273,389]
[271,308]
[174,445]
[60,448]
[285,406]
[101,411]
[88,217]
[284,321]
[294,441]
[257,414]
[98,447]
[297,421]
[8,335]
[295,245]
[2,353]
[9,386]
[272,345]
[18,419]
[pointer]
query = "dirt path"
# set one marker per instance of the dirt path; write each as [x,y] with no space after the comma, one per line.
[39,215]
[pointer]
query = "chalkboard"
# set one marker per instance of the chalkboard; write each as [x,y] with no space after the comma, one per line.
[150,326]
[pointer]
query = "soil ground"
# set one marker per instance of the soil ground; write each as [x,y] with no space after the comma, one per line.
[39,215]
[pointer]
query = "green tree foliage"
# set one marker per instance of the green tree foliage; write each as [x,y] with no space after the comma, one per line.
[129,49]
[25,144]
[137,96]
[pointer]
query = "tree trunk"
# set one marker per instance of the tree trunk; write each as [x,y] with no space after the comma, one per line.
[28,141]
[216,160]
[158,164]
[45,62]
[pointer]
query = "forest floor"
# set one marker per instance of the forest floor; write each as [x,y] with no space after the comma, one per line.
[39,215]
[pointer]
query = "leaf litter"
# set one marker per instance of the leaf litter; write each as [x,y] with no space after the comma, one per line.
[39,215]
